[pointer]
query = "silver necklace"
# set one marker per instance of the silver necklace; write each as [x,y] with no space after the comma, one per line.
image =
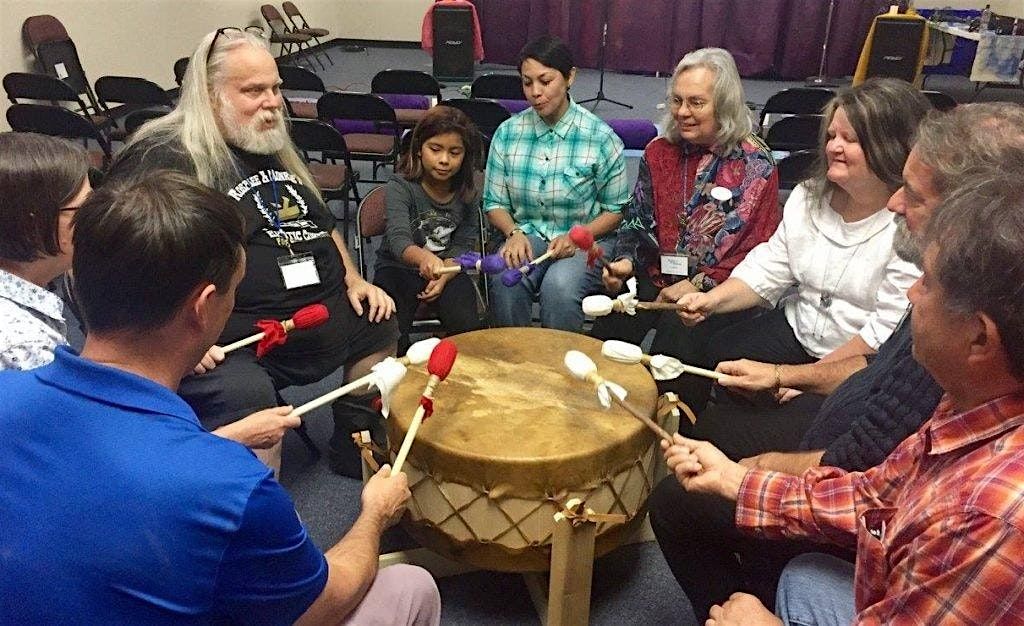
[825,299]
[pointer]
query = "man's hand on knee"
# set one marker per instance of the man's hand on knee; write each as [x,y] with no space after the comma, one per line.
[741,609]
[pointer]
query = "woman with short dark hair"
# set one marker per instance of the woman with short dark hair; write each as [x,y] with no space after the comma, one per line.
[43,180]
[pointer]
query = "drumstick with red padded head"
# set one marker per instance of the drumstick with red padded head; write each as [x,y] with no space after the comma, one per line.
[469,261]
[584,240]
[275,333]
[439,366]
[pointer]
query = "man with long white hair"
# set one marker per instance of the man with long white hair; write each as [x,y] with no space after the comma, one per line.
[228,131]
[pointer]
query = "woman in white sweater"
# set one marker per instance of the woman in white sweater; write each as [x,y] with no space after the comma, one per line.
[831,262]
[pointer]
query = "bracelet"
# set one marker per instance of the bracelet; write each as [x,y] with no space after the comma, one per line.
[514,231]
[778,376]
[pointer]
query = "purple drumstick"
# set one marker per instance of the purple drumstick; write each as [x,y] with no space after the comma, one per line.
[511,277]
[468,260]
[492,264]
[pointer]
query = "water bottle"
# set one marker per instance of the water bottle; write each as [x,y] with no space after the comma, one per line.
[986,17]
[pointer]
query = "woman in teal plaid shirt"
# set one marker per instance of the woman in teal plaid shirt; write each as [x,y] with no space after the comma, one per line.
[551,167]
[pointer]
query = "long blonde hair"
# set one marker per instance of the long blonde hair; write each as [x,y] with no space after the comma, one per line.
[193,123]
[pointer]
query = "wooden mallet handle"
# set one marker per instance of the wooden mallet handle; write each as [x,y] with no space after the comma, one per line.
[659,306]
[595,378]
[331,396]
[241,343]
[414,426]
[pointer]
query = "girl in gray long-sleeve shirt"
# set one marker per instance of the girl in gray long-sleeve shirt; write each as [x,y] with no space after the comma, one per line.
[432,212]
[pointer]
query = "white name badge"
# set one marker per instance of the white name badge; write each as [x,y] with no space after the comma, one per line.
[675,264]
[298,270]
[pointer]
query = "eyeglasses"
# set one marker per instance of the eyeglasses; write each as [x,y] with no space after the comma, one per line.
[695,105]
[229,32]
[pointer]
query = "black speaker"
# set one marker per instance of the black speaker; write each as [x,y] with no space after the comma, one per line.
[453,43]
[895,48]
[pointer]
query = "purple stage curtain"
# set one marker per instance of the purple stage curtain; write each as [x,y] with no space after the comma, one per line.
[766,37]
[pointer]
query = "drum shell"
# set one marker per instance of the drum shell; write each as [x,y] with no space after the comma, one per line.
[513,436]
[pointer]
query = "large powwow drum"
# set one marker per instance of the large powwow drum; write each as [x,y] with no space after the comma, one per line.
[512,438]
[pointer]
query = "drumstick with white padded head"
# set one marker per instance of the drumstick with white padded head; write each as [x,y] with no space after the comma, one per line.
[599,306]
[662,367]
[439,366]
[385,376]
[469,261]
[276,332]
[583,367]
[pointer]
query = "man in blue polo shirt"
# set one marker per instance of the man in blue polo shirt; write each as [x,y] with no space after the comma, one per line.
[117,506]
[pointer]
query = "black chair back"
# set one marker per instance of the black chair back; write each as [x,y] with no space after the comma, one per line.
[796,132]
[317,136]
[411,82]
[137,118]
[939,100]
[498,87]
[130,90]
[56,122]
[335,105]
[28,86]
[295,78]
[179,70]
[796,168]
[796,101]
[486,114]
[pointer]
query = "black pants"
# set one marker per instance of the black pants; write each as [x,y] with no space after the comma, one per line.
[741,426]
[671,338]
[709,557]
[456,306]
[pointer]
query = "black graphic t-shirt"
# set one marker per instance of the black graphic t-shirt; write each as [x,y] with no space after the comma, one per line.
[279,210]
[265,190]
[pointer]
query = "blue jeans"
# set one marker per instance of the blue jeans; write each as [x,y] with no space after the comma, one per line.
[560,286]
[816,589]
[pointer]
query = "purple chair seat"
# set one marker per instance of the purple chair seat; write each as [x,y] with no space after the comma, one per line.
[635,134]
[405,101]
[514,106]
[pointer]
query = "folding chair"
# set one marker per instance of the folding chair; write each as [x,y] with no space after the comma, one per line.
[60,122]
[498,87]
[794,101]
[302,26]
[335,180]
[408,83]
[939,100]
[281,34]
[368,124]
[58,57]
[796,132]
[294,78]
[41,87]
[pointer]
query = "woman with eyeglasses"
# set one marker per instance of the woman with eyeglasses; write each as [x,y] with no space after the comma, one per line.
[550,167]
[43,180]
[706,194]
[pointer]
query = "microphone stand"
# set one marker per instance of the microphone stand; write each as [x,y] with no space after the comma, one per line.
[600,64]
[821,80]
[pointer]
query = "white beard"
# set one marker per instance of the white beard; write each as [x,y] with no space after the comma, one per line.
[248,136]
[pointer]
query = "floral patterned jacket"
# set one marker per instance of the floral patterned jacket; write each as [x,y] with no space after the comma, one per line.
[672,209]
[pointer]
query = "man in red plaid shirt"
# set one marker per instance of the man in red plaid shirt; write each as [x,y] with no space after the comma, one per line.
[939,525]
